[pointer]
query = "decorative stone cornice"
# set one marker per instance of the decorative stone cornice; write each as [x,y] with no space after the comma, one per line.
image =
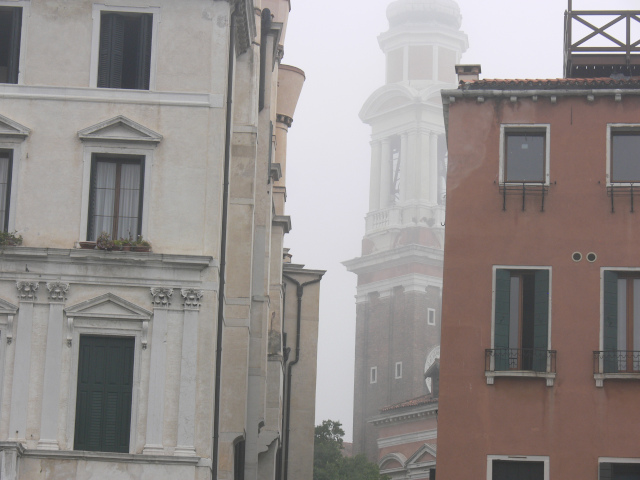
[57,291]
[161,297]
[284,119]
[27,290]
[192,298]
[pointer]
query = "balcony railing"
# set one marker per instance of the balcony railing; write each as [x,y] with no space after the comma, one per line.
[520,359]
[602,50]
[616,361]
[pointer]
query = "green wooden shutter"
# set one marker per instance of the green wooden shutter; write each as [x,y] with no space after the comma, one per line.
[111,50]
[105,385]
[610,321]
[144,52]
[501,326]
[541,320]
[14,45]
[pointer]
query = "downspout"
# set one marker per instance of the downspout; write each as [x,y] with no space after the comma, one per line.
[300,291]
[223,247]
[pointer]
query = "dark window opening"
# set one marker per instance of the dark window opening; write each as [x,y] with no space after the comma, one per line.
[105,385]
[125,50]
[238,460]
[619,471]
[115,198]
[520,470]
[525,157]
[6,167]
[625,157]
[10,27]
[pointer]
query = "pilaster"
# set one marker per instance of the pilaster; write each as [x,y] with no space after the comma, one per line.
[52,368]
[385,174]
[188,364]
[157,370]
[374,177]
[27,292]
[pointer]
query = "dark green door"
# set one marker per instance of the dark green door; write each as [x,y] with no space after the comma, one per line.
[103,404]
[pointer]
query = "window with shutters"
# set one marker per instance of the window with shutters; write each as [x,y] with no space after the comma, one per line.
[124,57]
[104,393]
[521,324]
[10,34]
[619,355]
[115,197]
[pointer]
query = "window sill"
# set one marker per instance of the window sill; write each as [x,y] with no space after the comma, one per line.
[550,377]
[601,377]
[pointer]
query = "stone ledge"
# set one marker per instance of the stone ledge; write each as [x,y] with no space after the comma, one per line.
[111,457]
[550,377]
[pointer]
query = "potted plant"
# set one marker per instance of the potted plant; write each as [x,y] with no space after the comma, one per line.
[87,245]
[104,242]
[10,239]
[125,243]
[141,245]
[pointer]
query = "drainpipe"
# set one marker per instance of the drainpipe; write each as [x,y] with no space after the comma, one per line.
[287,417]
[223,248]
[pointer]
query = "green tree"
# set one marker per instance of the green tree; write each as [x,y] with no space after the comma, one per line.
[330,464]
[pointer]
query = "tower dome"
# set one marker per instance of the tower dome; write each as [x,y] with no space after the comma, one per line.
[444,12]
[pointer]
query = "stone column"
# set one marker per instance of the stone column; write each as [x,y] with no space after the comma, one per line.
[406,170]
[22,363]
[374,177]
[433,168]
[385,174]
[415,159]
[52,367]
[187,405]
[157,371]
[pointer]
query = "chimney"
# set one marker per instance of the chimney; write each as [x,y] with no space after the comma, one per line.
[468,73]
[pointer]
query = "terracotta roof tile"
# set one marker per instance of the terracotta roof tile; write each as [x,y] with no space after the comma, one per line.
[550,83]
[414,402]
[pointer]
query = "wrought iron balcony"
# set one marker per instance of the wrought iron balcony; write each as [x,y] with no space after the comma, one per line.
[616,361]
[520,359]
[523,189]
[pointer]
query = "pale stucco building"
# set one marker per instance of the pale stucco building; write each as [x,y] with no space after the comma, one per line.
[164,119]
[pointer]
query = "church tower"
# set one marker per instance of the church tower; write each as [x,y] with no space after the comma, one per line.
[400,269]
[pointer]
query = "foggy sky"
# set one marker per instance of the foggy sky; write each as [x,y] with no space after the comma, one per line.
[335,43]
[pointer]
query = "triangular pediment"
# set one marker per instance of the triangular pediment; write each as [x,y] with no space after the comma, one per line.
[108,306]
[426,453]
[119,129]
[10,128]
[7,308]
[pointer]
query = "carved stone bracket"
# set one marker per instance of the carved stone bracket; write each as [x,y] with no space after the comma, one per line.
[69,330]
[281,118]
[145,334]
[9,329]
[57,291]
[192,298]
[280,53]
[27,290]
[161,296]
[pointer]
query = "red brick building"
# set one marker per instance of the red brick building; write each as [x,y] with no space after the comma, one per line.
[540,363]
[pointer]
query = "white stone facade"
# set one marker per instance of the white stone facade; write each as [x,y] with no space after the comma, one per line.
[207,190]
